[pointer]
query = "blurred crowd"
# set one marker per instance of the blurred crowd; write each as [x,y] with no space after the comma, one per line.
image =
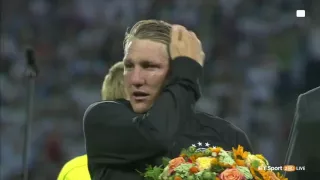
[259,57]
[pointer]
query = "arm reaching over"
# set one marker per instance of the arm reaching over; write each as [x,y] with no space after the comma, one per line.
[117,136]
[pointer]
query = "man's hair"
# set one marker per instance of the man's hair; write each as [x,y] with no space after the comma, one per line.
[154,30]
[112,87]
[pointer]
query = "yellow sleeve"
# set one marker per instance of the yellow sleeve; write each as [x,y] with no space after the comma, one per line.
[75,169]
[64,171]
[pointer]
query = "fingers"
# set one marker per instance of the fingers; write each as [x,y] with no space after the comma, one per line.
[186,36]
[177,33]
[194,37]
[180,33]
[185,43]
[203,55]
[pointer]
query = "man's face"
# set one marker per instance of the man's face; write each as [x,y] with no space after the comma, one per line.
[146,67]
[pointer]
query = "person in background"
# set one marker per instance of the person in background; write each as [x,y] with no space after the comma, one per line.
[303,146]
[112,89]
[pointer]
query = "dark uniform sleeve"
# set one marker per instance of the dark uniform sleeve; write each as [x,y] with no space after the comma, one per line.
[239,137]
[116,136]
[243,140]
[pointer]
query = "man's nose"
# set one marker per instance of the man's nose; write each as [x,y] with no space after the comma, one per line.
[137,78]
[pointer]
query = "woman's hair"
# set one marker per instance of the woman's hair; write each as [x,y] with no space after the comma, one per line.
[113,86]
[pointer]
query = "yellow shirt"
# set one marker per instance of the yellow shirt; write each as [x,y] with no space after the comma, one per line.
[75,169]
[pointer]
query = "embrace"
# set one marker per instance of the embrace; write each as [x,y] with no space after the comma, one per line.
[147,110]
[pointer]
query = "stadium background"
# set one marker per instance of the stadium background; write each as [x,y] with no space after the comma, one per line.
[260,56]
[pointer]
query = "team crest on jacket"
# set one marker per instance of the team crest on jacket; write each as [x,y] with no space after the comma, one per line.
[200,146]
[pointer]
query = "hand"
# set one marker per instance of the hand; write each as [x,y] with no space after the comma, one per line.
[185,43]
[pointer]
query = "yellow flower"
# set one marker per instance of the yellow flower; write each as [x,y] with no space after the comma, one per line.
[240,155]
[281,177]
[252,158]
[204,163]
[260,156]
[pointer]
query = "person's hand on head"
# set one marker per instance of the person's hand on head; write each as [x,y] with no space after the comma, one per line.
[185,43]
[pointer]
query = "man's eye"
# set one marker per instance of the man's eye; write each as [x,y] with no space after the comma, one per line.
[150,66]
[128,65]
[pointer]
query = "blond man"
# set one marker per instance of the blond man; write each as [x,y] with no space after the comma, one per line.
[112,89]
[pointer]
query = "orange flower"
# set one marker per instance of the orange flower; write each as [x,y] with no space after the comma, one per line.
[216,150]
[240,155]
[176,162]
[232,174]
[177,178]
[240,162]
[193,170]
[183,155]
[193,158]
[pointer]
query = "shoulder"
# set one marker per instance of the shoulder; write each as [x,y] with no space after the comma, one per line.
[75,166]
[231,134]
[218,123]
[313,93]
[77,161]
[308,105]
[106,112]
[102,105]
[310,98]
[103,109]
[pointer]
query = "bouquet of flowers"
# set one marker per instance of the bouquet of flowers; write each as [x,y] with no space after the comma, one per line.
[213,163]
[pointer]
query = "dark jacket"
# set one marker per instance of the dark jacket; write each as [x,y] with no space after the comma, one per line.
[119,141]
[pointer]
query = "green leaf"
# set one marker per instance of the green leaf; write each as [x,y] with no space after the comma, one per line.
[141,173]
[217,168]
[153,173]
[165,161]
[255,164]
[183,170]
